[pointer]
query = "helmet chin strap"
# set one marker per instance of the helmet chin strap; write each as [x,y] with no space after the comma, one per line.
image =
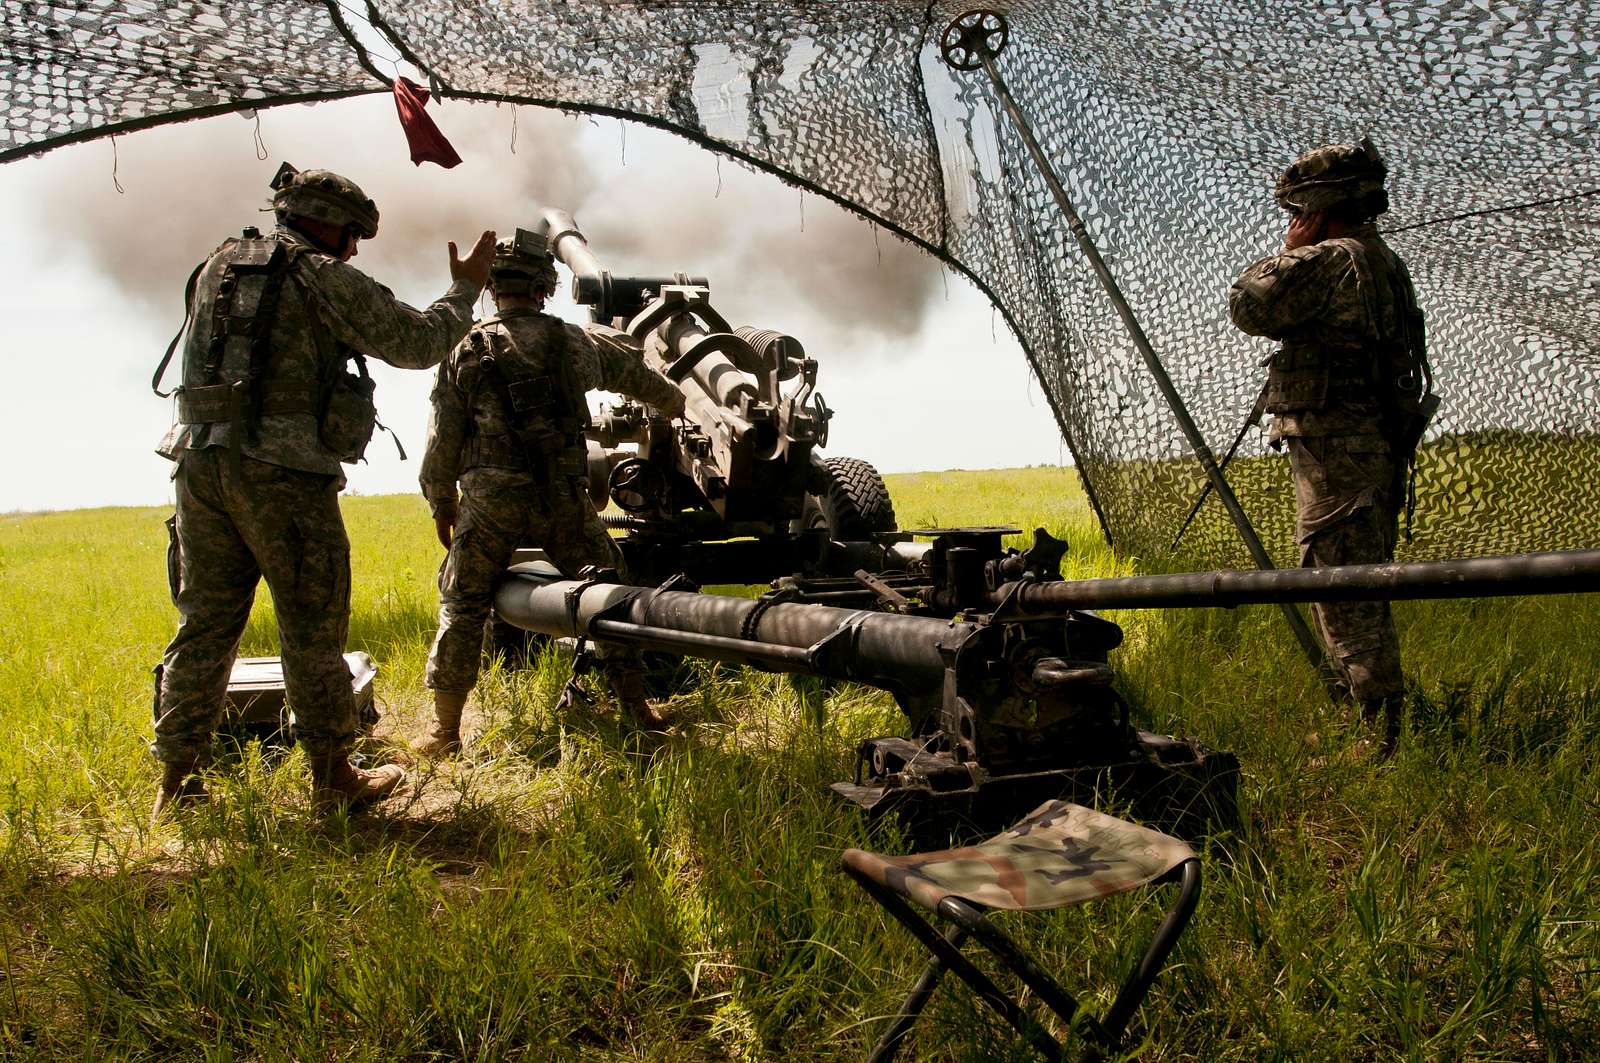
[297,223]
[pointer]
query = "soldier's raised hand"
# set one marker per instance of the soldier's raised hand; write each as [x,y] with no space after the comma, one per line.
[475,267]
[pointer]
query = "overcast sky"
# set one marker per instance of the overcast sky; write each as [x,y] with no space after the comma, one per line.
[923,375]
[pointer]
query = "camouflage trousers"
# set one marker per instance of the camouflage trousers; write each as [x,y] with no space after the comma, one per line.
[277,523]
[1347,491]
[490,527]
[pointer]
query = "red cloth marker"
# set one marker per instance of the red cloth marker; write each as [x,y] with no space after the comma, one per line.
[426,142]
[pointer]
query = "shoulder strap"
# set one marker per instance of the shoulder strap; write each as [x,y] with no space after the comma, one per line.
[1366,283]
[576,416]
[261,324]
[489,368]
[188,315]
[503,333]
[332,363]
[1412,323]
[489,363]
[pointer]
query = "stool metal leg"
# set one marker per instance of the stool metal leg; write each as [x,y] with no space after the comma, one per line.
[921,992]
[1008,952]
[1133,991]
[960,966]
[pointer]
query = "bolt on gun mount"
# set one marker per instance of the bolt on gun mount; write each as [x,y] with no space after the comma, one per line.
[733,491]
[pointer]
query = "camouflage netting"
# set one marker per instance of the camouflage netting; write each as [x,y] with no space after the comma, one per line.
[1168,122]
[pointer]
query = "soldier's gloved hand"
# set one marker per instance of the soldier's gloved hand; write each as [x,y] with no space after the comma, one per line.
[444,524]
[674,406]
[475,267]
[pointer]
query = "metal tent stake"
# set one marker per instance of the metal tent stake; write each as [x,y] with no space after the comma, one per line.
[971,42]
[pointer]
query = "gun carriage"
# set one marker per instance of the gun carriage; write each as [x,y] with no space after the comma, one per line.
[1003,673]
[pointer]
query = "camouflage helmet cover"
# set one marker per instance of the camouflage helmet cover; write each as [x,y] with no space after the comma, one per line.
[324,196]
[1333,176]
[524,263]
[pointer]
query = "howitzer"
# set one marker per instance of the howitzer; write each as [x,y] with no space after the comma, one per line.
[1011,701]
[733,491]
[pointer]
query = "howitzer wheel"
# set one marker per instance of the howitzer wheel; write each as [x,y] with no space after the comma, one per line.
[853,504]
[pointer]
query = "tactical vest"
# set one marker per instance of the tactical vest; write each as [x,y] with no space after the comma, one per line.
[233,384]
[1308,375]
[546,413]
[1392,369]
[1311,375]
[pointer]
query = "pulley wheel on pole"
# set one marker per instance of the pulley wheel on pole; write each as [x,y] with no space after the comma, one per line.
[974,37]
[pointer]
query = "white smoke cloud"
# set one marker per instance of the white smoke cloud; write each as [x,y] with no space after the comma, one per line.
[91,280]
[775,257]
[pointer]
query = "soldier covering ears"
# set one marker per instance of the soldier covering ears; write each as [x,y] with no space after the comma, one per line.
[1349,391]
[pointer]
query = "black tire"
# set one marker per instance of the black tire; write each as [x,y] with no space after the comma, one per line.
[854,505]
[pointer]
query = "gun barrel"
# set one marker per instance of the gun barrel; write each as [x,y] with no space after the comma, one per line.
[880,649]
[1555,572]
[568,244]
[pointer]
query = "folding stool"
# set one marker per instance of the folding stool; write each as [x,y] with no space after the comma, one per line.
[1058,855]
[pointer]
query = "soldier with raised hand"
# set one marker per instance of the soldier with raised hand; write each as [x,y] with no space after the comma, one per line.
[509,412]
[267,410]
[1349,391]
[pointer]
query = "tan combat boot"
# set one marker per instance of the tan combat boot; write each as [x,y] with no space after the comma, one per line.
[632,704]
[336,784]
[180,788]
[445,738]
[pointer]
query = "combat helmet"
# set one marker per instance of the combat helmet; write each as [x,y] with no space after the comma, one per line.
[1343,176]
[324,196]
[524,264]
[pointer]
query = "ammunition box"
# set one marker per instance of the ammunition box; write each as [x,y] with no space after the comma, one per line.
[256,695]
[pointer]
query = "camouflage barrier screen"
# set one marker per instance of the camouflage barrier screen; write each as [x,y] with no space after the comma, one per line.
[1168,123]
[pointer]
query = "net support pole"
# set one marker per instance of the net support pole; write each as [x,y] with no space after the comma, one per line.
[977,38]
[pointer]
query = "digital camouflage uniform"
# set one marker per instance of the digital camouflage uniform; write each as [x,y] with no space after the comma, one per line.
[507,500]
[1341,309]
[271,509]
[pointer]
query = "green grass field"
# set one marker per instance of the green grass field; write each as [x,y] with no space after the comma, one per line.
[559,895]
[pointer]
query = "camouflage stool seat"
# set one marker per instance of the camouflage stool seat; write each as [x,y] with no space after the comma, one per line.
[1058,855]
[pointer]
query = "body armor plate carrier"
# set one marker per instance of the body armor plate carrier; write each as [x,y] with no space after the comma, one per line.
[242,318]
[546,414]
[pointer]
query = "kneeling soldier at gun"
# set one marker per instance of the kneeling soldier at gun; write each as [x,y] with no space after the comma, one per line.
[266,413]
[509,413]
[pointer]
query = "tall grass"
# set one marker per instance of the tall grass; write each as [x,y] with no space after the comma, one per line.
[569,892]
